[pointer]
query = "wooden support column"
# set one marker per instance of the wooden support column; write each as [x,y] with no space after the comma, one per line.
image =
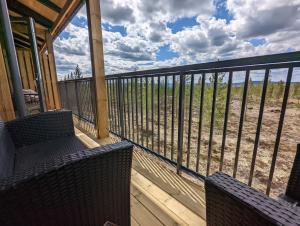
[6,105]
[96,49]
[53,74]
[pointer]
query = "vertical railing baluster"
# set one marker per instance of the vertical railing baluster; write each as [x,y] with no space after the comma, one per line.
[132,109]
[259,122]
[124,107]
[152,112]
[200,121]
[142,112]
[92,98]
[147,115]
[242,116]
[77,100]
[128,108]
[165,116]
[212,123]
[114,105]
[173,116]
[190,121]
[280,126]
[136,111]
[158,115]
[227,111]
[120,101]
[180,122]
[117,107]
[111,115]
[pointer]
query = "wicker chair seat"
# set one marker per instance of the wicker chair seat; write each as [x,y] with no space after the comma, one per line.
[35,154]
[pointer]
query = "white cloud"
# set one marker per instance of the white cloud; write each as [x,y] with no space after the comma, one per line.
[275,21]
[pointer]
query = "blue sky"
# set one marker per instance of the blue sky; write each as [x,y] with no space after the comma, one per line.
[141,35]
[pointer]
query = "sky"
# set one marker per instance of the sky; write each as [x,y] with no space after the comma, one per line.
[142,34]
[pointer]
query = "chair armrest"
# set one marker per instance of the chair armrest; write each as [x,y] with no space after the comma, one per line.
[41,127]
[230,202]
[85,188]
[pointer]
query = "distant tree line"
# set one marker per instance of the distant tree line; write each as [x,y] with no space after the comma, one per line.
[76,74]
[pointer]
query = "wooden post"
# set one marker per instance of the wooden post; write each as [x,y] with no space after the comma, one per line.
[6,105]
[96,49]
[29,69]
[51,59]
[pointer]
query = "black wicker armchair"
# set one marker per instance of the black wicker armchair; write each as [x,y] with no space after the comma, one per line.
[229,202]
[48,177]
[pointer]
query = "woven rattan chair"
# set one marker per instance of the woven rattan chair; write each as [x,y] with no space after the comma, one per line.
[48,177]
[229,202]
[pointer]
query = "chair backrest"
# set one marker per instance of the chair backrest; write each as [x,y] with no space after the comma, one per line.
[293,187]
[7,152]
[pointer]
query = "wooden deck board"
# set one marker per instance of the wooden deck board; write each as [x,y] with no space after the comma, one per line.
[158,196]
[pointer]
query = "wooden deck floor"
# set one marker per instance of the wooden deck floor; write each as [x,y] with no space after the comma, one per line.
[158,195]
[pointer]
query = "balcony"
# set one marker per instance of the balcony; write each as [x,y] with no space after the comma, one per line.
[189,125]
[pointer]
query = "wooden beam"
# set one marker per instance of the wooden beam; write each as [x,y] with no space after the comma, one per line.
[53,73]
[21,44]
[22,28]
[6,104]
[96,50]
[69,10]
[29,69]
[26,11]
[24,38]
[59,3]
[51,5]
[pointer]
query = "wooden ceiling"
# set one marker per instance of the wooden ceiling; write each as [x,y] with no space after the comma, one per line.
[49,15]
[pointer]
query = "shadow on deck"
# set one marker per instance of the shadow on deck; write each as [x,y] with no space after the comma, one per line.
[158,195]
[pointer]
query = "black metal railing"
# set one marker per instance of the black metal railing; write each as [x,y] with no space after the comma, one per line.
[226,115]
[78,95]
[189,114]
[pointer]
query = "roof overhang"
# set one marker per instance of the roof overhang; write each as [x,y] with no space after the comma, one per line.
[50,16]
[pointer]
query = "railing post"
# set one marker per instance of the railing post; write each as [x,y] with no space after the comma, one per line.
[77,99]
[120,105]
[180,122]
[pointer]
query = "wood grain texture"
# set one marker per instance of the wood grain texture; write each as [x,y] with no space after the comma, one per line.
[23,72]
[52,70]
[6,105]
[29,70]
[97,61]
[47,81]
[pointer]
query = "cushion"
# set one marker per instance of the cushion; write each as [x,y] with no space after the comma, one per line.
[7,152]
[29,156]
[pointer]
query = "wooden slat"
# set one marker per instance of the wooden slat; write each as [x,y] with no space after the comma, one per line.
[96,50]
[6,105]
[23,71]
[59,3]
[47,81]
[40,8]
[44,83]
[29,69]
[141,214]
[53,73]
